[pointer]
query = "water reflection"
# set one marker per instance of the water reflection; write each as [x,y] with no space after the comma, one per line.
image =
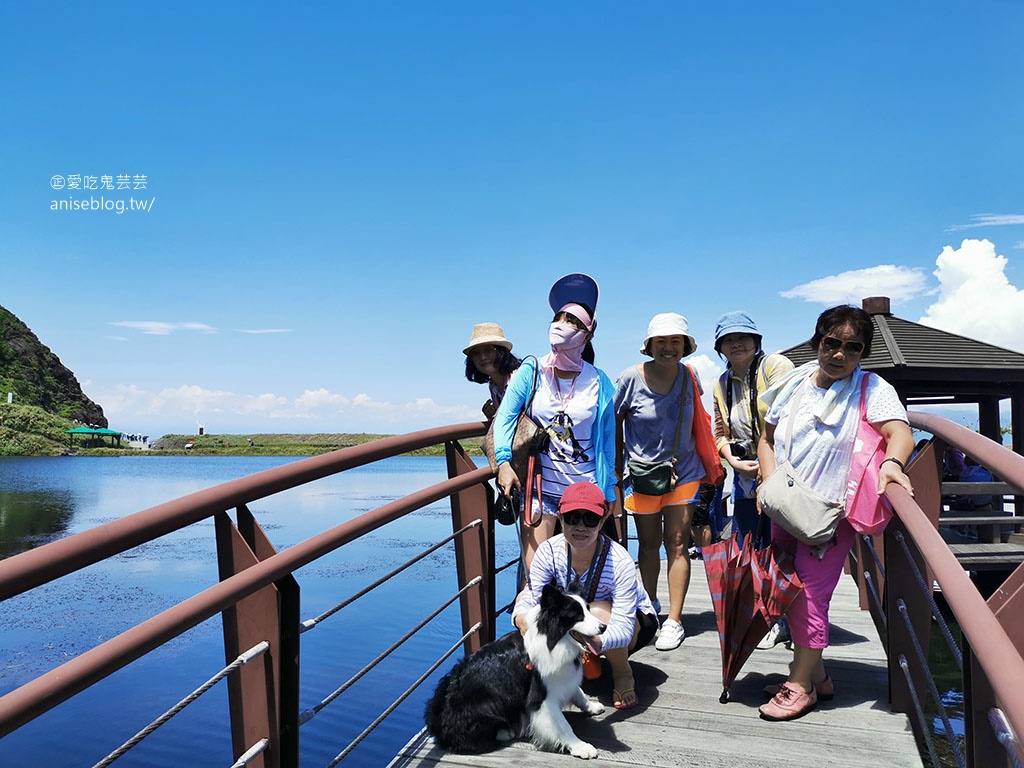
[31,518]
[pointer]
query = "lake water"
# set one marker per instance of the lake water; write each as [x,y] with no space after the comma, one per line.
[42,499]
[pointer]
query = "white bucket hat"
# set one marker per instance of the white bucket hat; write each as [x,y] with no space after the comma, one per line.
[669,324]
[487,333]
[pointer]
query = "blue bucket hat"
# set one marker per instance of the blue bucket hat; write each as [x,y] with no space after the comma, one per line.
[576,288]
[735,322]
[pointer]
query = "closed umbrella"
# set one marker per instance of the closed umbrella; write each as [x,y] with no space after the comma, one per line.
[750,590]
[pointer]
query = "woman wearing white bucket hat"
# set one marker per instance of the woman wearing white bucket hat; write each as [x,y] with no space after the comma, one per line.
[660,420]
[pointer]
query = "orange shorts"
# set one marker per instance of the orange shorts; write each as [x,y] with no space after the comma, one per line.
[641,504]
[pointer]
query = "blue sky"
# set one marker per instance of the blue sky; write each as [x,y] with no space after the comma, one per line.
[339,191]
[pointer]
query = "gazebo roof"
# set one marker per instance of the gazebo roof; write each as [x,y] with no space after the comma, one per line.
[93,431]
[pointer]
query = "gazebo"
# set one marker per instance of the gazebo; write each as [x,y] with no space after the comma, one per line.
[94,432]
[932,367]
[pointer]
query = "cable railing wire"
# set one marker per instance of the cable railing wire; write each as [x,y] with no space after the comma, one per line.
[925,727]
[310,623]
[874,555]
[936,697]
[312,712]
[419,681]
[875,598]
[926,590]
[243,659]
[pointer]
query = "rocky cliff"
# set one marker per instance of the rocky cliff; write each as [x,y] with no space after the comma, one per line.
[37,377]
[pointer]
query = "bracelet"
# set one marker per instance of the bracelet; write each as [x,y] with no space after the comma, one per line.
[895,461]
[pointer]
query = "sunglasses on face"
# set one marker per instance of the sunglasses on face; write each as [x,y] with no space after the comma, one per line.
[832,345]
[588,519]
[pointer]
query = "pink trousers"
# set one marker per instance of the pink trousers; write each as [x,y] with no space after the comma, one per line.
[808,615]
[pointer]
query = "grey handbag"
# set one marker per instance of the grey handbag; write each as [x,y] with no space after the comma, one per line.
[794,505]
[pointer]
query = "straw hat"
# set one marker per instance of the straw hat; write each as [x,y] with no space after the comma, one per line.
[668,324]
[487,333]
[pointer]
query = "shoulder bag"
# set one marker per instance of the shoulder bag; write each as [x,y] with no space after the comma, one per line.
[704,438]
[794,505]
[656,478]
[528,442]
[867,512]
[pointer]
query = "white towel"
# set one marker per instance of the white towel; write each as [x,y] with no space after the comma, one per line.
[838,398]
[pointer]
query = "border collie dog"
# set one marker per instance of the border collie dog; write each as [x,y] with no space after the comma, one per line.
[517,686]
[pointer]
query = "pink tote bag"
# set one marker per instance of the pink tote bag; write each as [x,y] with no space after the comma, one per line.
[866,511]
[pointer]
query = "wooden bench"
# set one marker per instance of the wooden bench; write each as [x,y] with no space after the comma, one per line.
[989,556]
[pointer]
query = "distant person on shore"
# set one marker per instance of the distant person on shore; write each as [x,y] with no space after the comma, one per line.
[489,360]
[572,404]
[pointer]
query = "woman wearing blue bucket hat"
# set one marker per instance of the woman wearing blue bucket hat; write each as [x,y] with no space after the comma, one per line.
[739,414]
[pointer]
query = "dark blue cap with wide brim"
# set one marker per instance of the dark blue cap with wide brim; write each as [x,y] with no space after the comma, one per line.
[576,288]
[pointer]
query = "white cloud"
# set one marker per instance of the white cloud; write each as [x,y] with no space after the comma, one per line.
[160,328]
[990,220]
[975,297]
[177,410]
[898,283]
[267,330]
[1019,244]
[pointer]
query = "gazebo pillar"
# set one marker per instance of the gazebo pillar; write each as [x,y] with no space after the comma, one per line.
[988,418]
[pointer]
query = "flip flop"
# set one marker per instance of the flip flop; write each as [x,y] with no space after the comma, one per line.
[618,696]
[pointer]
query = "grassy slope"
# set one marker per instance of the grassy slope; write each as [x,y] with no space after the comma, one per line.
[26,430]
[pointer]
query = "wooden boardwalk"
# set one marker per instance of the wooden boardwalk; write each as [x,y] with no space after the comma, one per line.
[681,722]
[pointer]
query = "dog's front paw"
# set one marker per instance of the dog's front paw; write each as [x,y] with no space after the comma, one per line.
[583,750]
[593,707]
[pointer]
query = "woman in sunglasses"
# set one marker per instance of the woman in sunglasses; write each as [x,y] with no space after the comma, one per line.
[812,420]
[603,573]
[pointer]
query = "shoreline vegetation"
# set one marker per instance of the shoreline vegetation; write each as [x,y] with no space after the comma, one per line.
[26,430]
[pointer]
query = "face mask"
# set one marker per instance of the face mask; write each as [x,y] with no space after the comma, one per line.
[566,336]
[567,342]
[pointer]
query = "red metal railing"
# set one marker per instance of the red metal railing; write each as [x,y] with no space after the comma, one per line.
[257,589]
[256,584]
[912,551]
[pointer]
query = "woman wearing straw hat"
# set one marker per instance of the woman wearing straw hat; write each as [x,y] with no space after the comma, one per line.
[571,403]
[489,360]
[654,407]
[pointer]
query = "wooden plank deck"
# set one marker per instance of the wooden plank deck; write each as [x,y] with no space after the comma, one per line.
[680,721]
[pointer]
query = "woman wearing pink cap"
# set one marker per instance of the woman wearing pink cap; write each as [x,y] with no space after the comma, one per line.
[572,404]
[602,573]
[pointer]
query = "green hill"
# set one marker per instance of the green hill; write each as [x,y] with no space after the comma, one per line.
[27,430]
[36,376]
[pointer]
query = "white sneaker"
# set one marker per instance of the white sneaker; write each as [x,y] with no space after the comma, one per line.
[771,639]
[671,635]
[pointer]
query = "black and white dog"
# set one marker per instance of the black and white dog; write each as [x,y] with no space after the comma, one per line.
[517,686]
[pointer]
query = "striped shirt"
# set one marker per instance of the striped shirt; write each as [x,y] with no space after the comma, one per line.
[619,584]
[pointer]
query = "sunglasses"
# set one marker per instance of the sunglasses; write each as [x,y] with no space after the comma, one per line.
[832,345]
[589,519]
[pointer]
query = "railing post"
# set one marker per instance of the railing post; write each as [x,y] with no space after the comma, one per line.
[901,584]
[254,692]
[474,554]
